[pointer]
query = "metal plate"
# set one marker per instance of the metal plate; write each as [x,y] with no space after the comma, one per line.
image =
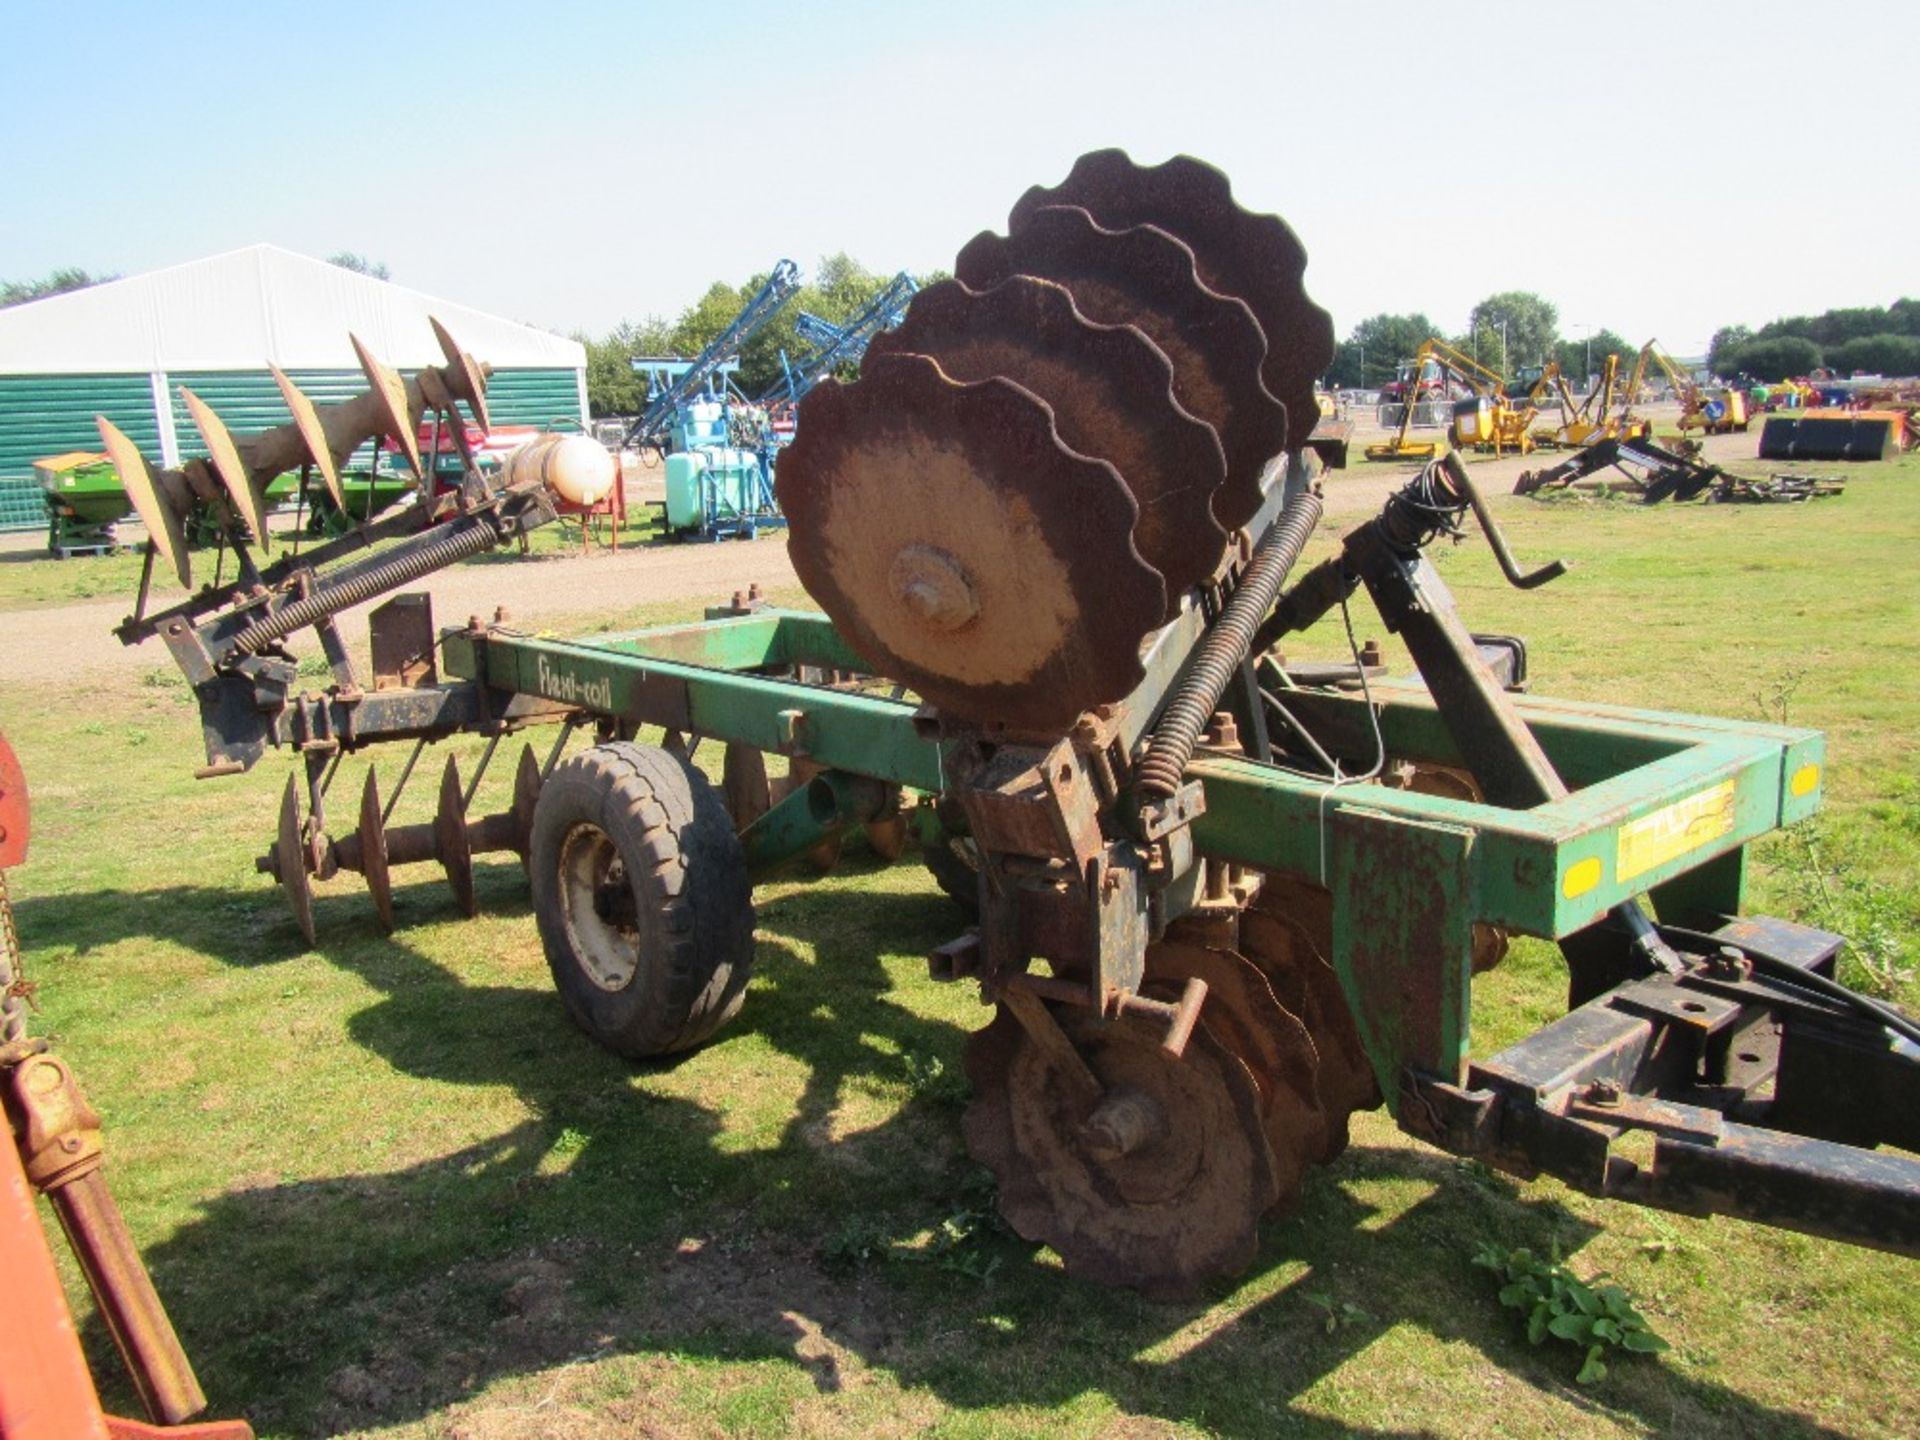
[1146,277]
[1255,257]
[963,550]
[1110,389]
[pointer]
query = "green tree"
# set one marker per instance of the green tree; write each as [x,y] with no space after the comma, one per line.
[1527,326]
[1726,340]
[360,264]
[1775,358]
[1375,348]
[1877,355]
[19,292]
[613,388]
[1573,354]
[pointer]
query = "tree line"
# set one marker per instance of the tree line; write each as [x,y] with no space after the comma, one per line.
[1873,339]
[1517,329]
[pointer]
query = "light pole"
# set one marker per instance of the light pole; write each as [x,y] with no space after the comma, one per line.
[1363,364]
[1581,324]
[1505,368]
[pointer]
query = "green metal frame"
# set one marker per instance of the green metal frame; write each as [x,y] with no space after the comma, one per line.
[1409,873]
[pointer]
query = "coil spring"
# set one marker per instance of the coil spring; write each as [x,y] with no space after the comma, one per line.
[467,537]
[1225,646]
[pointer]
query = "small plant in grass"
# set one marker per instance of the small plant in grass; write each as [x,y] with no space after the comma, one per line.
[1831,889]
[1557,1303]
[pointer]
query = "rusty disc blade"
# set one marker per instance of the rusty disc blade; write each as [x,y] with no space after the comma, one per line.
[963,550]
[227,465]
[453,846]
[1271,1040]
[888,835]
[290,860]
[1166,1217]
[463,375]
[159,510]
[313,435]
[1111,392]
[1144,276]
[373,851]
[1283,934]
[1255,257]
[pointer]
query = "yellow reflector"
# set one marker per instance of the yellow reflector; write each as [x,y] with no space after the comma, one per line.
[1582,876]
[1805,780]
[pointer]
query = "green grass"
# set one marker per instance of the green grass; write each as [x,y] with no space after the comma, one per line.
[387,1189]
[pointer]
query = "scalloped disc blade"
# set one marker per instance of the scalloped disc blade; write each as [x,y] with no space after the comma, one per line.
[464,376]
[142,485]
[963,550]
[227,464]
[1255,257]
[1146,277]
[313,435]
[391,390]
[1111,393]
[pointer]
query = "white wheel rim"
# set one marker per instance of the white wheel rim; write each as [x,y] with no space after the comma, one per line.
[607,952]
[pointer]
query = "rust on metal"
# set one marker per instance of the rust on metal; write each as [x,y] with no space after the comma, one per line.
[1110,391]
[160,497]
[1256,257]
[1124,1201]
[1287,934]
[1146,277]
[1271,1041]
[62,1151]
[963,550]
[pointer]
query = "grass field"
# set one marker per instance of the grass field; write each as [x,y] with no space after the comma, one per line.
[387,1189]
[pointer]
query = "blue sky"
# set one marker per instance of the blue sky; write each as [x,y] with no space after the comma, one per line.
[1657,168]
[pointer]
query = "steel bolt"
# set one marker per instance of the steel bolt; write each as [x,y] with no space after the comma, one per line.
[500,616]
[1603,1092]
[1370,652]
[1222,733]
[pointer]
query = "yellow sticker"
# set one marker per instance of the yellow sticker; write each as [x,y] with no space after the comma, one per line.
[1582,876]
[1685,825]
[1805,780]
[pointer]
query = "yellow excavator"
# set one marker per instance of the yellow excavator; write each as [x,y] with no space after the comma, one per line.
[1473,422]
[1590,418]
[1719,410]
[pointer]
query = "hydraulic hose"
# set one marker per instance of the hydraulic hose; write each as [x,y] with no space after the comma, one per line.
[438,550]
[1225,646]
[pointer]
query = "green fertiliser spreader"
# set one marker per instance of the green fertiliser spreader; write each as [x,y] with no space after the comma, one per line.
[1218,901]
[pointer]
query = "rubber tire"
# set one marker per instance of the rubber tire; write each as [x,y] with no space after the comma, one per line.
[693,902]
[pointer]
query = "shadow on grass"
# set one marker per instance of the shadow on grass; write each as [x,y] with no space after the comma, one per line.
[623,1221]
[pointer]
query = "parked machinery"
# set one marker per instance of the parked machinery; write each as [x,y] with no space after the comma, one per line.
[1221,901]
[1485,420]
[719,465]
[833,346]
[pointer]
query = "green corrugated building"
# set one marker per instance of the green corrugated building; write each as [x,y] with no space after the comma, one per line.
[125,348]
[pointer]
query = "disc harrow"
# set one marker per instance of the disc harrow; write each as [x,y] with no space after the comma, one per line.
[1221,903]
[303,852]
[954,533]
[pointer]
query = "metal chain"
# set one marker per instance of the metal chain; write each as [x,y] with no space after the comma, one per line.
[15,992]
